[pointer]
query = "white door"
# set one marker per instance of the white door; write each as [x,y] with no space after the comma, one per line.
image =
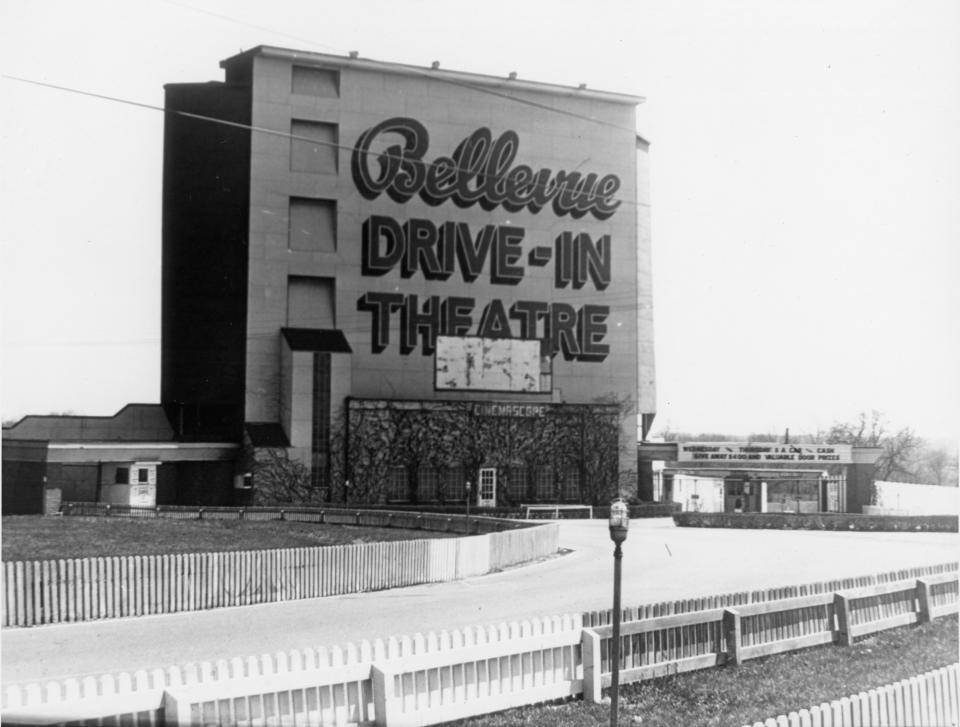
[487,490]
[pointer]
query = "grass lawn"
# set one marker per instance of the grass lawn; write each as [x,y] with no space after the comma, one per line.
[757,689]
[35,537]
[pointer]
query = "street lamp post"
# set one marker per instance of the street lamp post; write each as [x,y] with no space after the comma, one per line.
[619,523]
[468,498]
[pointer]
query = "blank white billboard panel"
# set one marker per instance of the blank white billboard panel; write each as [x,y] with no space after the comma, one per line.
[487,364]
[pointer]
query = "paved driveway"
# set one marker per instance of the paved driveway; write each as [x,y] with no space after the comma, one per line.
[661,562]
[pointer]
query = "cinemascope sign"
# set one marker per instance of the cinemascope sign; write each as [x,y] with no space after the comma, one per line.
[739,452]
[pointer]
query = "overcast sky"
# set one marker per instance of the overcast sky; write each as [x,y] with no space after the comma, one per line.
[805,180]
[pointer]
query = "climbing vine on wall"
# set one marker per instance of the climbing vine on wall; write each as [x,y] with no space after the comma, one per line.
[381,435]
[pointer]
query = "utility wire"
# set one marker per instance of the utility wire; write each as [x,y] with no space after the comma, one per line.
[422,72]
[245,127]
[231,19]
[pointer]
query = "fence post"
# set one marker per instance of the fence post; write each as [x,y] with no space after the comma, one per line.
[731,628]
[592,666]
[841,607]
[384,699]
[923,600]
[176,709]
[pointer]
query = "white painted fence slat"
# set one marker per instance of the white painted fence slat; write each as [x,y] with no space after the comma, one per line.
[477,667]
[920,701]
[81,589]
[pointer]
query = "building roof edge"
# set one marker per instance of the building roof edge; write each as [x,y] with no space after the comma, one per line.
[488,82]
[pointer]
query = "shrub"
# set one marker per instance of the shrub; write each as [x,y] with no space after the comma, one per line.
[818,521]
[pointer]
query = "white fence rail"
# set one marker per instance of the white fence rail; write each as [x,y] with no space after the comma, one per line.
[929,700]
[419,680]
[431,678]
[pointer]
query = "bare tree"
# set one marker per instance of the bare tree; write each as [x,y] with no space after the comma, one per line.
[938,466]
[905,457]
[901,450]
[899,458]
[868,431]
[280,480]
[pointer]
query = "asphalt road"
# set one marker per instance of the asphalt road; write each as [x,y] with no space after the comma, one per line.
[661,562]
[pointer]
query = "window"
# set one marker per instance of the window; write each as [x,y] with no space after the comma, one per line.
[320,424]
[397,484]
[454,482]
[310,302]
[313,147]
[143,474]
[321,82]
[428,484]
[312,225]
[122,476]
[543,476]
[517,482]
[571,482]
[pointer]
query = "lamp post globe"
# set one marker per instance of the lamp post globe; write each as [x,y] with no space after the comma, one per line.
[619,521]
[619,524]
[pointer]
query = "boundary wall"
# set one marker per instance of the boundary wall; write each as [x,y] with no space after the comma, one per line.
[929,699]
[902,498]
[84,589]
[427,679]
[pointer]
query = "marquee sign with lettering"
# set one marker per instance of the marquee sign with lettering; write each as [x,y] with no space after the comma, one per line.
[481,170]
[516,411]
[762,452]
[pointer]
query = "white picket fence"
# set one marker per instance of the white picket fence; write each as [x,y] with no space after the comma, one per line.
[426,679]
[83,589]
[928,700]
[409,680]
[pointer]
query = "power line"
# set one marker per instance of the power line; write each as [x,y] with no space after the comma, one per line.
[258,129]
[152,107]
[422,72]
[231,19]
[249,127]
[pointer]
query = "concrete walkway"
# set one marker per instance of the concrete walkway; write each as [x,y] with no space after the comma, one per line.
[661,562]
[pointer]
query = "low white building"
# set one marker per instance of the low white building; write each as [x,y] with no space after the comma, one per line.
[698,494]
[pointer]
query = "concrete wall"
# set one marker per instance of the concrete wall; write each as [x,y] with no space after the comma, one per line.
[450,112]
[903,498]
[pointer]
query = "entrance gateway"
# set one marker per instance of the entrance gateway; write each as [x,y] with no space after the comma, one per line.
[756,476]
